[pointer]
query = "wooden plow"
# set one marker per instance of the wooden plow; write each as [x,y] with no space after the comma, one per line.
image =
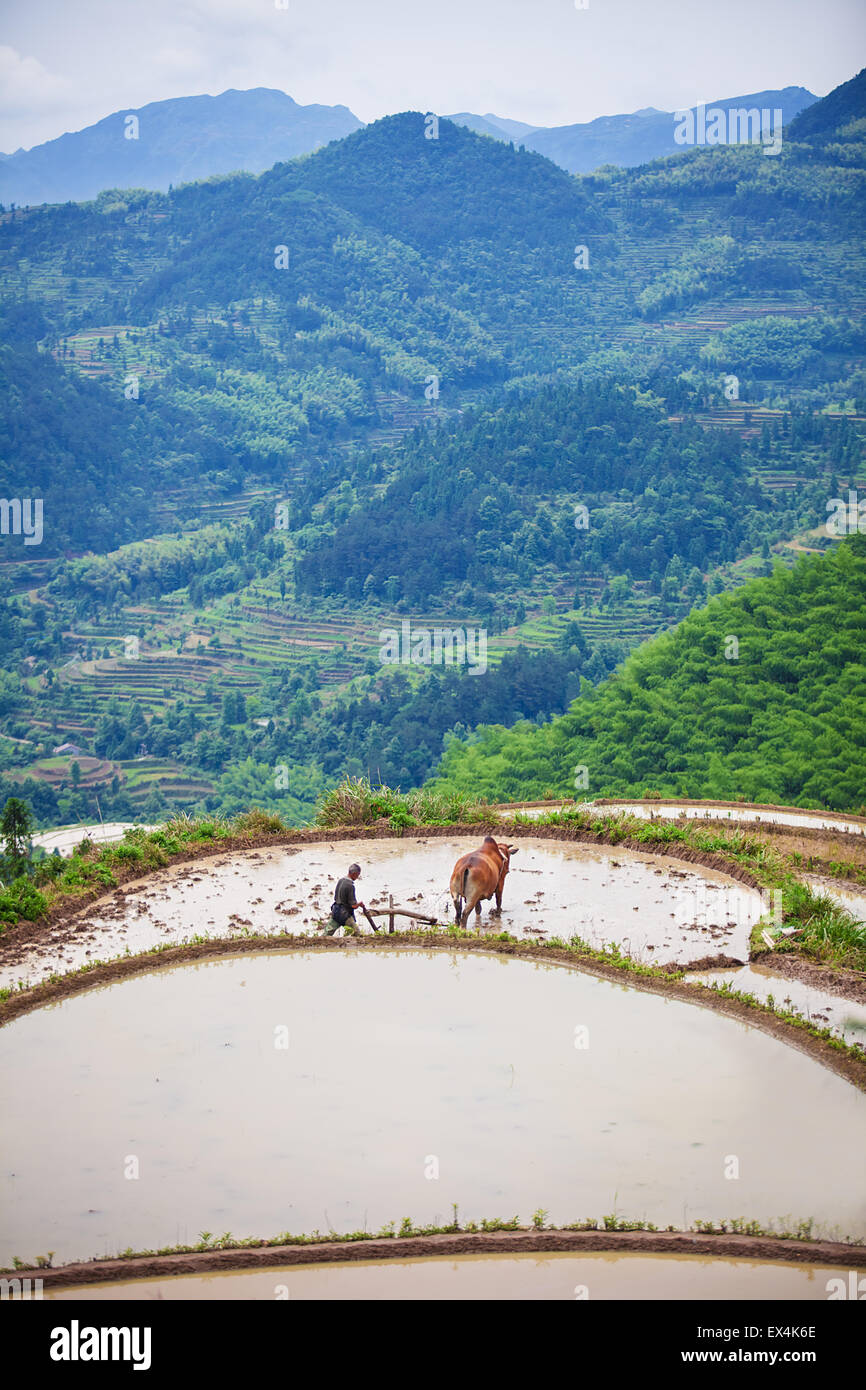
[391,912]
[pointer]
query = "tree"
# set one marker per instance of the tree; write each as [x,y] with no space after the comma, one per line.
[619,588]
[16,827]
[573,637]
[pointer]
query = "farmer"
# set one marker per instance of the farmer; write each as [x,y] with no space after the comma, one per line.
[344,904]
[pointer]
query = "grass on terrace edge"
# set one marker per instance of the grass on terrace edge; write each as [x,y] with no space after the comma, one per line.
[737,1226]
[830,933]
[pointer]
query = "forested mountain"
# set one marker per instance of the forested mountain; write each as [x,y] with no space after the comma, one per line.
[583,503]
[497,495]
[171,142]
[761,695]
[835,114]
[99,461]
[268,316]
[433,380]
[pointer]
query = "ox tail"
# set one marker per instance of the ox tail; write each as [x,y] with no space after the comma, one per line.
[459,900]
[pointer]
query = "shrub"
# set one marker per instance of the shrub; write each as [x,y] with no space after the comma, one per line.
[127,854]
[258,822]
[21,898]
[356,802]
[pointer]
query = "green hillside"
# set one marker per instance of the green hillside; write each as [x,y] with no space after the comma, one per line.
[781,717]
[247,473]
[407,259]
[834,115]
[255,650]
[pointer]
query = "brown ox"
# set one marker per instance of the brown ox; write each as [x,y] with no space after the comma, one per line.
[478,876]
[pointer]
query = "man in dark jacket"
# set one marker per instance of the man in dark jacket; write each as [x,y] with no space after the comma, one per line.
[344,904]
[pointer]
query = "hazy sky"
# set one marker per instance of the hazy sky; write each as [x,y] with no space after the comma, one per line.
[63,66]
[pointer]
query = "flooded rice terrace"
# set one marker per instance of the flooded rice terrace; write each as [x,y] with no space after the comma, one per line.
[656,908]
[521,1276]
[851,896]
[343,1090]
[845,1017]
[706,810]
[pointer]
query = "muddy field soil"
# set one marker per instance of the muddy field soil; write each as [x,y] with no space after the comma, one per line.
[550,1276]
[344,1089]
[654,907]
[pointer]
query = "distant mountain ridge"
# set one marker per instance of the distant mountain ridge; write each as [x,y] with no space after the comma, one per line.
[498,126]
[185,139]
[627,140]
[180,140]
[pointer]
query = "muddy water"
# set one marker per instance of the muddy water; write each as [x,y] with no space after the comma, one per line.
[656,908]
[844,1016]
[520,1084]
[526,1276]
